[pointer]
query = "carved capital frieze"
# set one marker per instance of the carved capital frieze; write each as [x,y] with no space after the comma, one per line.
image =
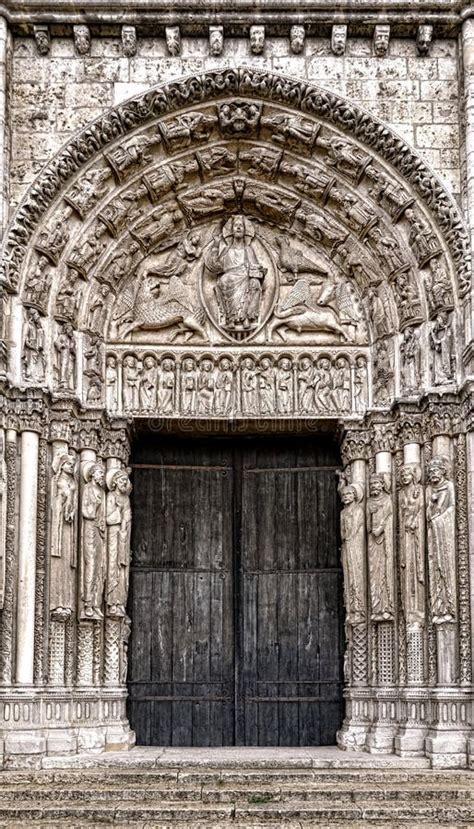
[409,429]
[383,437]
[442,418]
[86,435]
[115,443]
[355,446]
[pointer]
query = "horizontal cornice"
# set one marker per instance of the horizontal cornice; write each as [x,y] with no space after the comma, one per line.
[194,16]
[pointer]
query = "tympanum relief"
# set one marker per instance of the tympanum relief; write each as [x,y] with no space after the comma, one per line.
[243,224]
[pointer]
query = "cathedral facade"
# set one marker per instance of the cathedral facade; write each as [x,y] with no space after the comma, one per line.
[251,224]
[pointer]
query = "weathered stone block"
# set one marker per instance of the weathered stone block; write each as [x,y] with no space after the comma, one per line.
[25,742]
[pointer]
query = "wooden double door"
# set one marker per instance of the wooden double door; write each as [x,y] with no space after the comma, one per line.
[235,593]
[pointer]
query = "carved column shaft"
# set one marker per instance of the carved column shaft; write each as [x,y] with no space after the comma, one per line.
[27,557]
[6,651]
[414,574]
[85,631]
[385,632]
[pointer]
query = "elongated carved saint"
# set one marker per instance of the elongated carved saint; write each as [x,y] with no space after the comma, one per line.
[353,553]
[411,519]
[380,548]
[63,556]
[93,540]
[440,515]
[119,521]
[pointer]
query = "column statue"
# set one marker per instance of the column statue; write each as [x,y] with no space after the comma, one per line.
[93,540]
[64,507]
[353,553]
[440,516]
[119,521]
[380,548]
[411,544]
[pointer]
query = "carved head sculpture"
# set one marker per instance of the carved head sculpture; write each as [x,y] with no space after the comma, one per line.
[360,362]
[225,364]
[206,365]
[352,493]
[129,41]
[173,40]
[42,39]
[189,364]
[338,39]
[381,40]
[111,361]
[238,228]
[93,472]
[410,473]
[424,37]
[129,361]
[248,362]
[285,364]
[82,39]
[438,469]
[305,363]
[216,40]
[149,362]
[297,39]
[119,479]
[265,363]
[257,39]
[378,483]
[167,365]
[64,463]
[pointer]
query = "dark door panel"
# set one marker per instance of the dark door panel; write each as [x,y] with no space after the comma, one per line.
[236,593]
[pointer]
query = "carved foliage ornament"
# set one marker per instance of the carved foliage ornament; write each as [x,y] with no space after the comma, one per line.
[317,102]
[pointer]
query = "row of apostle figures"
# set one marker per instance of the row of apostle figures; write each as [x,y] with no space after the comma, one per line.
[105,525]
[368,540]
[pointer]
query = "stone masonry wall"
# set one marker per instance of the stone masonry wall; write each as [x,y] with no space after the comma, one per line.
[53,96]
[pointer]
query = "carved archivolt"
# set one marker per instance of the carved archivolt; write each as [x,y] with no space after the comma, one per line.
[238,208]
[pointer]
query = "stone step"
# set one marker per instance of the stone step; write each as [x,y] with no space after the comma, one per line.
[250,793]
[304,812]
[235,776]
[233,824]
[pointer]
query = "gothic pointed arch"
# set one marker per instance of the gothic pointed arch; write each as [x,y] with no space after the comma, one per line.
[238,224]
